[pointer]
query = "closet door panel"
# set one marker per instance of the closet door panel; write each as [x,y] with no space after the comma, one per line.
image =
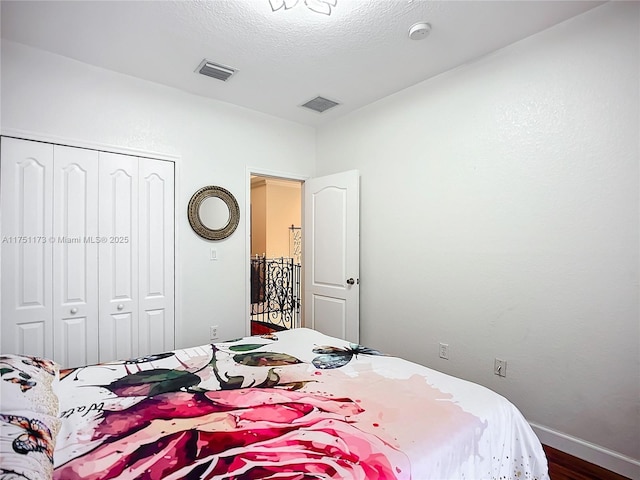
[116,339]
[75,256]
[153,331]
[75,341]
[27,182]
[118,257]
[156,261]
[32,339]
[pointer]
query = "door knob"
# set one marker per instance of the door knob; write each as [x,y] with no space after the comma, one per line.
[74,311]
[351,281]
[120,306]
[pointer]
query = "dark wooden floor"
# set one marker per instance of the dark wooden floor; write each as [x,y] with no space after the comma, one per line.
[563,466]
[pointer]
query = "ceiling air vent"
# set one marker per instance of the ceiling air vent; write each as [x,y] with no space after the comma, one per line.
[215,70]
[320,104]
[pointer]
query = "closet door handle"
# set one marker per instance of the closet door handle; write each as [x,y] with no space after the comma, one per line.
[74,310]
[120,307]
[350,281]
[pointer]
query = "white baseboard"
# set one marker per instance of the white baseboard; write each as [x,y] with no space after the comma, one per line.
[616,462]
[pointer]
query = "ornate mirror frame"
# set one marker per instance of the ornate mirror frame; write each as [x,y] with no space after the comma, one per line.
[193,213]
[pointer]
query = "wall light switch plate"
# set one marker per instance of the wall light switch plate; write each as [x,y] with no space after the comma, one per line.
[213,254]
[500,367]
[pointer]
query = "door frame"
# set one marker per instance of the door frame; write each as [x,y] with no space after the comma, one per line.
[262,172]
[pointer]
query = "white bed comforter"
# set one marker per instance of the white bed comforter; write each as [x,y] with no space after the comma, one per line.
[298,404]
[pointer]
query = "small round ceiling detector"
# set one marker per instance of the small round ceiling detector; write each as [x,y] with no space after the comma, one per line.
[419,30]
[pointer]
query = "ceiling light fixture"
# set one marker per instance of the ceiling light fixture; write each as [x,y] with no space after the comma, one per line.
[318,6]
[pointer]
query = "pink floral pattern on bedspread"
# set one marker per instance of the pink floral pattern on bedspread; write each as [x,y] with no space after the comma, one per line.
[244,433]
[261,408]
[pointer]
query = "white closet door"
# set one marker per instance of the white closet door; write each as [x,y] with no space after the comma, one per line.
[27,181]
[118,253]
[75,256]
[156,259]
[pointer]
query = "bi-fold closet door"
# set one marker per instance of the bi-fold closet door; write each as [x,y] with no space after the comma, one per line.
[87,253]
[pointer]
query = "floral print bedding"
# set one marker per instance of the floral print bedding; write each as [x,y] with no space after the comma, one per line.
[296,405]
[28,417]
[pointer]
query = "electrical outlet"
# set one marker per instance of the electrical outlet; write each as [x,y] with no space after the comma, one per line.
[444,350]
[500,367]
[213,332]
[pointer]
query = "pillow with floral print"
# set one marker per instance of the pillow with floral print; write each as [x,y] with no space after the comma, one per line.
[27,383]
[27,441]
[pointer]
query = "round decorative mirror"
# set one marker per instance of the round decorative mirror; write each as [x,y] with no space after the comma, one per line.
[213,213]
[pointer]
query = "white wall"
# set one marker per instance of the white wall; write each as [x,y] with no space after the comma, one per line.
[54,96]
[499,214]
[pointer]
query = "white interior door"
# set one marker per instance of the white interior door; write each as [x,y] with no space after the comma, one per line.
[75,256]
[27,228]
[87,253]
[332,254]
[156,256]
[118,257]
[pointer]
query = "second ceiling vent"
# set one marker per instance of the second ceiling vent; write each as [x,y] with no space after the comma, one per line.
[215,70]
[320,104]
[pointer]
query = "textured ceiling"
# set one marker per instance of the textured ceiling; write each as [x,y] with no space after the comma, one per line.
[357,55]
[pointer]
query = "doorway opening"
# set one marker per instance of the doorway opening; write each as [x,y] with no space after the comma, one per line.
[275,235]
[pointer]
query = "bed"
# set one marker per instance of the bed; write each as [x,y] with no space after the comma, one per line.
[292,405]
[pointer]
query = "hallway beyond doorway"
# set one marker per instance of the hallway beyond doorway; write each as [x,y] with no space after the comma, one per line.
[276,254]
